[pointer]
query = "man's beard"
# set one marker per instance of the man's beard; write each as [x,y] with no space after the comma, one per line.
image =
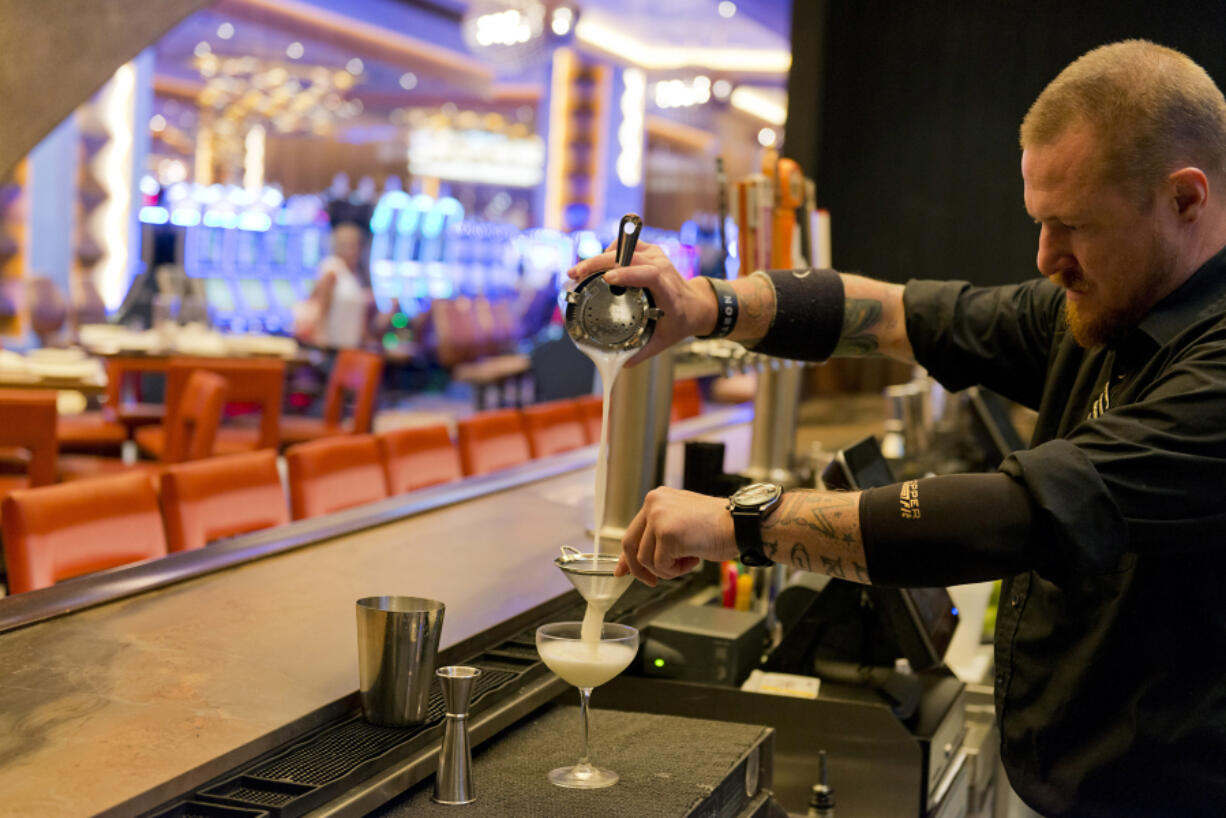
[1109,325]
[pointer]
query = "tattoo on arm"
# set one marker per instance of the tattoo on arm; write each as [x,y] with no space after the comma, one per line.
[800,557]
[808,510]
[770,548]
[833,567]
[861,572]
[860,317]
[755,303]
[757,310]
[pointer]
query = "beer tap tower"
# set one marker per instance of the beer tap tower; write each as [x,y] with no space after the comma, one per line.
[777,398]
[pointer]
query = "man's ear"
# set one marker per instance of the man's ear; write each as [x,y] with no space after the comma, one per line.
[1189,192]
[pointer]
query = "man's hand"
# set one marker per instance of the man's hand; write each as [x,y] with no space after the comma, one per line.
[672,532]
[689,307]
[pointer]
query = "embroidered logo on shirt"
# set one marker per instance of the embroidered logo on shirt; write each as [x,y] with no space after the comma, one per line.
[1102,404]
[908,500]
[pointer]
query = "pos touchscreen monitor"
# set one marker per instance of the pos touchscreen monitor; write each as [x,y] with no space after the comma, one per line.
[992,426]
[921,620]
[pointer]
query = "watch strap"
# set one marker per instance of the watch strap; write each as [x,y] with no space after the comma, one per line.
[747,526]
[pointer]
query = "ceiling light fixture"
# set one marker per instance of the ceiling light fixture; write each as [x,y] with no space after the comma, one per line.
[757,102]
[654,57]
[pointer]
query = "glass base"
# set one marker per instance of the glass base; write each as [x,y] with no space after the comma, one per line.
[582,777]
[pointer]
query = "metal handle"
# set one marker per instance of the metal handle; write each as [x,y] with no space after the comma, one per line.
[627,238]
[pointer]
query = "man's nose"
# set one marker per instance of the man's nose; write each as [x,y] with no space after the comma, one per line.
[1055,255]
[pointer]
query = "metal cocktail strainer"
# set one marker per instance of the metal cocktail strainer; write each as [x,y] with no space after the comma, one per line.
[608,316]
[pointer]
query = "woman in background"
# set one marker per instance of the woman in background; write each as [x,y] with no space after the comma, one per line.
[336,314]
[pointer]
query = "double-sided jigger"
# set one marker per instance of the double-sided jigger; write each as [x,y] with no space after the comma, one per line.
[454,782]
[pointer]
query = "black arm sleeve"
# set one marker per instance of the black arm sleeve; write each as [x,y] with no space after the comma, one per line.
[949,530]
[808,315]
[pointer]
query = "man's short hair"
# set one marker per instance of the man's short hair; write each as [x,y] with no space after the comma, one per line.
[1152,109]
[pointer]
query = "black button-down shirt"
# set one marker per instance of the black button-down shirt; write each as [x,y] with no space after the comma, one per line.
[1111,652]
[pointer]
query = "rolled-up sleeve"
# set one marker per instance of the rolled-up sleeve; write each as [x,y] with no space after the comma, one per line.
[1140,476]
[1144,476]
[999,337]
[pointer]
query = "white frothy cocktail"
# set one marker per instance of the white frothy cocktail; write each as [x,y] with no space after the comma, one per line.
[585,666]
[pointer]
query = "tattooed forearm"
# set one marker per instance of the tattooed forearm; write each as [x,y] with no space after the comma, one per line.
[833,566]
[770,548]
[825,529]
[757,297]
[804,510]
[860,318]
[816,511]
[800,557]
[761,298]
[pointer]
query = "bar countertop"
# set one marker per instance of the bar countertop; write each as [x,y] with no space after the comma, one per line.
[105,705]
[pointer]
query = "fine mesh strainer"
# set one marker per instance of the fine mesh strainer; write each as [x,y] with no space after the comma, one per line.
[608,316]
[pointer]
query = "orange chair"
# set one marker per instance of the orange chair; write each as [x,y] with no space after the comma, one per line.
[58,532]
[258,381]
[192,431]
[194,408]
[222,497]
[457,331]
[98,431]
[334,473]
[354,373]
[492,440]
[415,457]
[27,438]
[103,431]
[591,409]
[687,400]
[554,427]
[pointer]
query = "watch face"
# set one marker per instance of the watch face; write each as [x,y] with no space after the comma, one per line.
[756,494]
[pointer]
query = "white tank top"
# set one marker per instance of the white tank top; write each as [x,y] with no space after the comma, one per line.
[347,312]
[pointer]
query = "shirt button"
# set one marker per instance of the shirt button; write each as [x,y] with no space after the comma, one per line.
[1000,680]
[1015,601]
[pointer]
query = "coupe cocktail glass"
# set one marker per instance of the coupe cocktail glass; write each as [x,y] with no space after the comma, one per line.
[585,664]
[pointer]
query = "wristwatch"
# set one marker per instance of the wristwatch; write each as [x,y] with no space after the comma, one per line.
[748,506]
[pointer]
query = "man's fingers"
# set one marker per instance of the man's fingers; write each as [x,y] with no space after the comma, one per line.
[630,549]
[636,275]
[588,266]
[643,557]
[634,531]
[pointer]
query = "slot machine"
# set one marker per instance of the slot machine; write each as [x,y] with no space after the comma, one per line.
[435,232]
[415,289]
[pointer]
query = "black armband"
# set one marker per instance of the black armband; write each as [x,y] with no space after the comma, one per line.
[726,308]
[949,530]
[808,314]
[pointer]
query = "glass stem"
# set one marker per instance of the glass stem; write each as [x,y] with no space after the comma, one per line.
[585,696]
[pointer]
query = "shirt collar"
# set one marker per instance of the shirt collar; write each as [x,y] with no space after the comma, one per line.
[1203,294]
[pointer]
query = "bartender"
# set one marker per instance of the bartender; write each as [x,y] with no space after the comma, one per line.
[1110,531]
